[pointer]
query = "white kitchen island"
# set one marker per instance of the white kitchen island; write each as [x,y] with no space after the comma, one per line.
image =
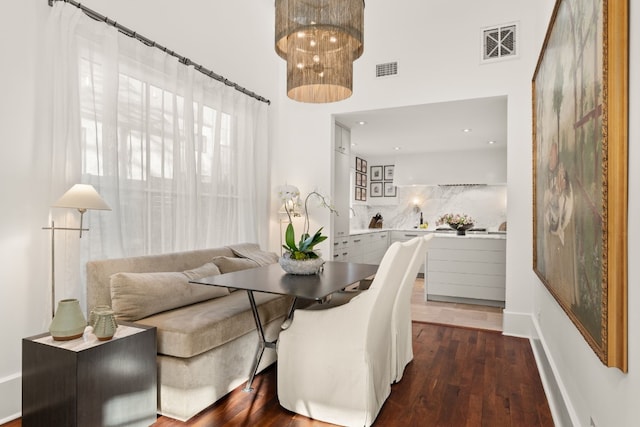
[468,269]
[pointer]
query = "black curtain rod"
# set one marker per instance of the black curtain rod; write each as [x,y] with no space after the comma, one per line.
[186,61]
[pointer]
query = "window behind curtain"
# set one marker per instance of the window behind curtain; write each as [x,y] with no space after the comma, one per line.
[168,155]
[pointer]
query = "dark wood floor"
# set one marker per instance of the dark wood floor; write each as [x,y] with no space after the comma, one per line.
[459,377]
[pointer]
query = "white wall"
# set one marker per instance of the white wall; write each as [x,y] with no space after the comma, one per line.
[23,245]
[434,66]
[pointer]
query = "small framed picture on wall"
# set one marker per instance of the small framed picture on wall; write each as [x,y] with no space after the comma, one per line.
[389,189]
[376,173]
[358,164]
[388,172]
[376,189]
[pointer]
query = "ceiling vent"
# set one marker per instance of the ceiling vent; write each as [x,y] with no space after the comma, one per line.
[499,42]
[387,69]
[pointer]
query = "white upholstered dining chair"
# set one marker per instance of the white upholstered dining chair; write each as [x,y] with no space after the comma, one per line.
[401,340]
[334,365]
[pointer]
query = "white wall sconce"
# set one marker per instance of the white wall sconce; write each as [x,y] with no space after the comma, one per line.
[81,197]
[416,204]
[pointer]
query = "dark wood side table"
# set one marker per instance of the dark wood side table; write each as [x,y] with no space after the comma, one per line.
[86,382]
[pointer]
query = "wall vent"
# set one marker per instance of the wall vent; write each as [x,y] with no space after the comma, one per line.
[387,69]
[499,42]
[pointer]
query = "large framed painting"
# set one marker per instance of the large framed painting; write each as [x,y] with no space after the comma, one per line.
[580,142]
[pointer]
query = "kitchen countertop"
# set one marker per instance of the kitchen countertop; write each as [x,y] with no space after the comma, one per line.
[444,233]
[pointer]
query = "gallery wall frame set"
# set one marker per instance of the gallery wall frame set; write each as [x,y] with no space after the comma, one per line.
[580,173]
[376,189]
[382,181]
[360,191]
[376,173]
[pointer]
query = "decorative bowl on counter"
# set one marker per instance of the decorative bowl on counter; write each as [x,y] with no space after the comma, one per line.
[461,229]
[459,222]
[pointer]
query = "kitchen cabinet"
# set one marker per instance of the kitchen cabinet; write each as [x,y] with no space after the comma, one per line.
[341,249]
[341,183]
[366,248]
[405,235]
[374,246]
[355,248]
[467,269]
[342,138]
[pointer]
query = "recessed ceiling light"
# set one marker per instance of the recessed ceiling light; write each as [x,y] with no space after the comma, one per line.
[491,142]
[397,148]
[467,130]
[353,144]
[362,123]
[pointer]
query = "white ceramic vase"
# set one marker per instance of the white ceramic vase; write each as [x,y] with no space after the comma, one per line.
[68,323]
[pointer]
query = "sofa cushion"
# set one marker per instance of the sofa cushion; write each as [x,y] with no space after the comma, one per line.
[230,264]
[194,329]
[138,295]
[253,252]
[206,270]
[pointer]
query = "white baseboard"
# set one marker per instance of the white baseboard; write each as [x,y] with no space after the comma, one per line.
[516,324]
[11,402]
[524,325]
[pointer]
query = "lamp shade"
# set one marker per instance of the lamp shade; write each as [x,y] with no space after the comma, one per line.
[82,196]
[320,39]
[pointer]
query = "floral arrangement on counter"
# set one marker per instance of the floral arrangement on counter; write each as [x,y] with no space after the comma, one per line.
[290,197]
[455,220]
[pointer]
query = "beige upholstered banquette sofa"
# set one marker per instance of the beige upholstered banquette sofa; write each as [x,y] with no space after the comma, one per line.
[206,335]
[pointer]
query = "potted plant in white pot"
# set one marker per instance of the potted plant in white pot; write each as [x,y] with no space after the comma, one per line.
[301,257]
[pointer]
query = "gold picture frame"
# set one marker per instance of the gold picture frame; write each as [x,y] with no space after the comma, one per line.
[580,178]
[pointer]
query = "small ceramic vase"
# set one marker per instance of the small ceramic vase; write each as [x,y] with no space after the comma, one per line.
[68,323]
[105,325]
[92,314]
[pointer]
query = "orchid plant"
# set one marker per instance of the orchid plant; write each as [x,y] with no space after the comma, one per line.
[455,220]
[304,249]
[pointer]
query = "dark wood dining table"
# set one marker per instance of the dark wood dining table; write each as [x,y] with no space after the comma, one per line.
[334,276]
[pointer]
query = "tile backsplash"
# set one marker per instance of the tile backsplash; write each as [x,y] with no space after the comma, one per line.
[486,204]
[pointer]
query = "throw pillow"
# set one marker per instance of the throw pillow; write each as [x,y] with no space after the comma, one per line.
[138,295]
[230,264]
[253,252]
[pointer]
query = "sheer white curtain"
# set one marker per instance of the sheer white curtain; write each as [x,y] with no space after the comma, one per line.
[181,158]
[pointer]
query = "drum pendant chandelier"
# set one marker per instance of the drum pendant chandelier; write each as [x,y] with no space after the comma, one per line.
[319,39]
